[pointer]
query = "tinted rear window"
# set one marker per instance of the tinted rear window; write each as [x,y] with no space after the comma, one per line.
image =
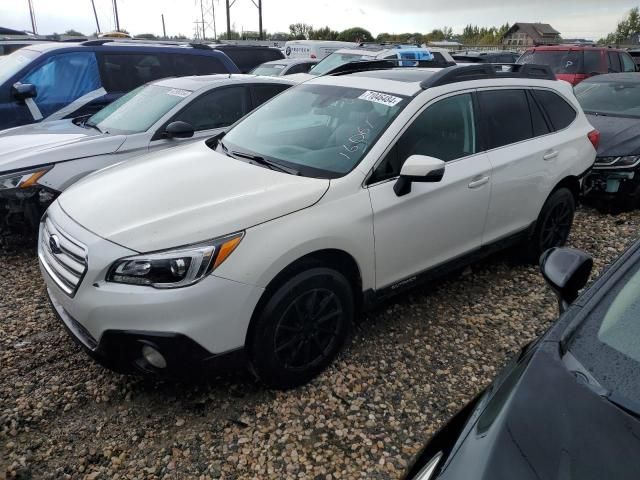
[558,110]
[123,72]
[184,65]
[560,61]
[507,115]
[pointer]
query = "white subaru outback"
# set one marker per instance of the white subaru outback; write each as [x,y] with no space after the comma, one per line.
[264,244]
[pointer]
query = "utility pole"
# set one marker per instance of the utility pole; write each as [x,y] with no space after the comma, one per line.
[259,7]
[213,13]
[33,18]
[95,14]
[204,33]
[115,14]
[228,20]
[164,30]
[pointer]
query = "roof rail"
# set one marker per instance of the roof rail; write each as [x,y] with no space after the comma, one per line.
[93,43]
[361,66]
[462,73]
[200,46]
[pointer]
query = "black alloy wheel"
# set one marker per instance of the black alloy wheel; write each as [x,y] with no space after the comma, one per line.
[553,225]
[301,328]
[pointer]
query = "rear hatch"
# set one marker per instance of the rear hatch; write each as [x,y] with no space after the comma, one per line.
[571,65]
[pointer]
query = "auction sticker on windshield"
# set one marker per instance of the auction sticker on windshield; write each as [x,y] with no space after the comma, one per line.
[177,92]
[383,98]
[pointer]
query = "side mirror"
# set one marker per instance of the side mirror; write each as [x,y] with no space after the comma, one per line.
[566,271]
[22,91]
[179,130]
[418,168]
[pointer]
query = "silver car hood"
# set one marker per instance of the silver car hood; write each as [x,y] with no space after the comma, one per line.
[50,142]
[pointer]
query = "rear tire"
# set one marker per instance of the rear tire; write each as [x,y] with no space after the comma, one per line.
[553,225]
[301,328]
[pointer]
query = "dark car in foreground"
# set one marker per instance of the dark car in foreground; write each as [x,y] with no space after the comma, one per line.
[612,105]
[568,406]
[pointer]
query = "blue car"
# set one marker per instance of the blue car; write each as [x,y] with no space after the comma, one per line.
[61,80]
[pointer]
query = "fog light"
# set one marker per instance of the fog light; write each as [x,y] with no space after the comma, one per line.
[153,356]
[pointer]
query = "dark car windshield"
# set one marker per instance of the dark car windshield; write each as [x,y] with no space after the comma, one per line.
[609,97]
[14,62]
[321,131]
[335,60]
[138,110]
[269,69]
[608,341]
[560,61]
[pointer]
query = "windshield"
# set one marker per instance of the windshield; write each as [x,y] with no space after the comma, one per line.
[14,62]
[335,60]
[560,61]
[321,131]
[138,110]
[608,342]
[270,70]
[610,98]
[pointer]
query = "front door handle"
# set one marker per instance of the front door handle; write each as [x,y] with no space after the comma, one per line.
[550,155]
[478,182]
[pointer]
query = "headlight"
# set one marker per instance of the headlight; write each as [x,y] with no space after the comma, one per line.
[430,468]
[174,268]
[626,161]
[23,179]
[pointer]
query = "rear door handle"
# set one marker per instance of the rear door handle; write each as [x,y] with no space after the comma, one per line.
[478,182]
[550,155]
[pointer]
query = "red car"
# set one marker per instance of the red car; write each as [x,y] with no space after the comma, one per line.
[575,63]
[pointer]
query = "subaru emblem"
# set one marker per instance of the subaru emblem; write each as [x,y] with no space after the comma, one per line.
[54,244]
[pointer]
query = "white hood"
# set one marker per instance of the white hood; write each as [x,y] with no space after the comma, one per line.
[51,142]
[184,195]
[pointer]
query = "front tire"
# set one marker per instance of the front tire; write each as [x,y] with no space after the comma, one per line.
[553,225]
[301,329]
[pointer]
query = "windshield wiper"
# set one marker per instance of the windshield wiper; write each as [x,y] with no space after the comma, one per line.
[92,125]
[264,162]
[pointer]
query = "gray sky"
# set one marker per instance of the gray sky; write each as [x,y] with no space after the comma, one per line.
[573,18]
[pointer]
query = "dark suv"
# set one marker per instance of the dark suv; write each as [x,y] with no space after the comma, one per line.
[65,80]
[575,63]
[248,57]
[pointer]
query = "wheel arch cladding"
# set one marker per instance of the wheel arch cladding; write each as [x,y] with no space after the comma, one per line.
[338,260]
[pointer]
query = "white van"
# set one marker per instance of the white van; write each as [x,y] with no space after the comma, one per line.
[317,49]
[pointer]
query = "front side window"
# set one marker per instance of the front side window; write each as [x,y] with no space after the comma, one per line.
[613,97]
[445,130]
[614,63]
[321,131]
[608,342]
[138,110]
[262,93]
[62,79]
[217,109]
[506,113]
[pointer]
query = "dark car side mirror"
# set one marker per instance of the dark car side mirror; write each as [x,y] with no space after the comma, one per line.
[179,129]
[418,168]
[566,271]
[22,91]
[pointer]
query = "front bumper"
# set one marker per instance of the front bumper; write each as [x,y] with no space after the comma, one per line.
[611,184]
[190,325]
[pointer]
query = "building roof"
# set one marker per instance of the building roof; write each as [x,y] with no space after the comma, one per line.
[535,30]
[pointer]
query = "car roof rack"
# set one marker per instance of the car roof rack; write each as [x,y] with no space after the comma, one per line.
[200,46]
[98,42]
[463,73]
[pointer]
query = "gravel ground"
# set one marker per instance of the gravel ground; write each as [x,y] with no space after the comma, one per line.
[412,364]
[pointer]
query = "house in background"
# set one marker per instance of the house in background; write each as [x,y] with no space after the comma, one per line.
[529,34]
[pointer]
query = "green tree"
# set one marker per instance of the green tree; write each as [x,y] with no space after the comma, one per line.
[355,34]
[233,36]
[323,34]
[300,31]
[147,36]
[626,28]
[74,33]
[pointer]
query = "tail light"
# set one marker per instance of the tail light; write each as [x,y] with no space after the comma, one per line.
[594,138]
